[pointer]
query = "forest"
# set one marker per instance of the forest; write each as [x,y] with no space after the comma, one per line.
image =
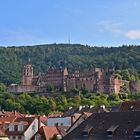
[36,104]
[125,59]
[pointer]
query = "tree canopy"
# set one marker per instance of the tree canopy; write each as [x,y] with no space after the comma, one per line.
[73,56]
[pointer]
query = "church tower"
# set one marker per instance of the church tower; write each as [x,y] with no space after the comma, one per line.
[27,74]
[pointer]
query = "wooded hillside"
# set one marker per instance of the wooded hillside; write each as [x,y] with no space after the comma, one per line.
[73,56]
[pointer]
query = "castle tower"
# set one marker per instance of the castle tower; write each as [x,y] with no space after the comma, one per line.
[27,75]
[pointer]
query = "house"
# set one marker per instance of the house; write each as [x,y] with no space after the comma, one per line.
[108,126]
[81,118]
[5,122]
[59,121]
[23,128]
[46,133]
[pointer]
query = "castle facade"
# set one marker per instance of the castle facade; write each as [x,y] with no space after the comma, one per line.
[97,80]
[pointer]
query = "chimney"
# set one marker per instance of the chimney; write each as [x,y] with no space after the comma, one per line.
[39,121]
[80,107]
[72,119]
[15,112]
[3,111]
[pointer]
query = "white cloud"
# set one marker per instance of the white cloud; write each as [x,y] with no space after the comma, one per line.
[110,26]
[116,28]
[133,34]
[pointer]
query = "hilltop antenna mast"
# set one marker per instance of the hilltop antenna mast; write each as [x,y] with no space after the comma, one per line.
[69,39]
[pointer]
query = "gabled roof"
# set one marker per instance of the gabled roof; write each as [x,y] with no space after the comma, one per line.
[46,132]
[50,131]
[10,113]
[130,106]
[84,115]
[24,120]
[124,125]
[7,119]
[62,130]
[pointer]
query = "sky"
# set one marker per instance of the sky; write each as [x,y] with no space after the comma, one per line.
[91,22]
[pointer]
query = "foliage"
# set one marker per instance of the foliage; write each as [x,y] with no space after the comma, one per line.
[73,56]
[25,103]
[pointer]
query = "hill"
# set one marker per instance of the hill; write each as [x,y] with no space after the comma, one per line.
[73,56]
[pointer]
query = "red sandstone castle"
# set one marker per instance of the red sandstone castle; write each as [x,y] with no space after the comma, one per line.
[97,81]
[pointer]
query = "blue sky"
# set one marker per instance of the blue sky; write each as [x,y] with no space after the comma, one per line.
[92,22]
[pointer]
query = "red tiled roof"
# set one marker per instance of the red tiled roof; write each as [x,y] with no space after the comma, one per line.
[7,119]
[43,119]
[46,132]
[26,120]
[50,131]
[87,114]
[12,113]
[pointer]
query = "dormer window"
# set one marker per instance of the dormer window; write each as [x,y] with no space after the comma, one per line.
[11,127]
[111,130]
[20,127]
[137,132]
[87,130]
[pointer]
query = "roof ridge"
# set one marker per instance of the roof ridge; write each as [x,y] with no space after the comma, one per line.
[44,131]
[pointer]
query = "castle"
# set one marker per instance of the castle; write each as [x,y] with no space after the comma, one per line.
[97,80]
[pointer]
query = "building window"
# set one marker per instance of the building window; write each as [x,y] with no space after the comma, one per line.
[16,127]
[33,127]
[19,137]
[11,127]
[20,127]
[14,138]
[56,124]
[38,137]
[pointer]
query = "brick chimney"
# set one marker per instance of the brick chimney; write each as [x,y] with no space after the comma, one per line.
[39,121]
